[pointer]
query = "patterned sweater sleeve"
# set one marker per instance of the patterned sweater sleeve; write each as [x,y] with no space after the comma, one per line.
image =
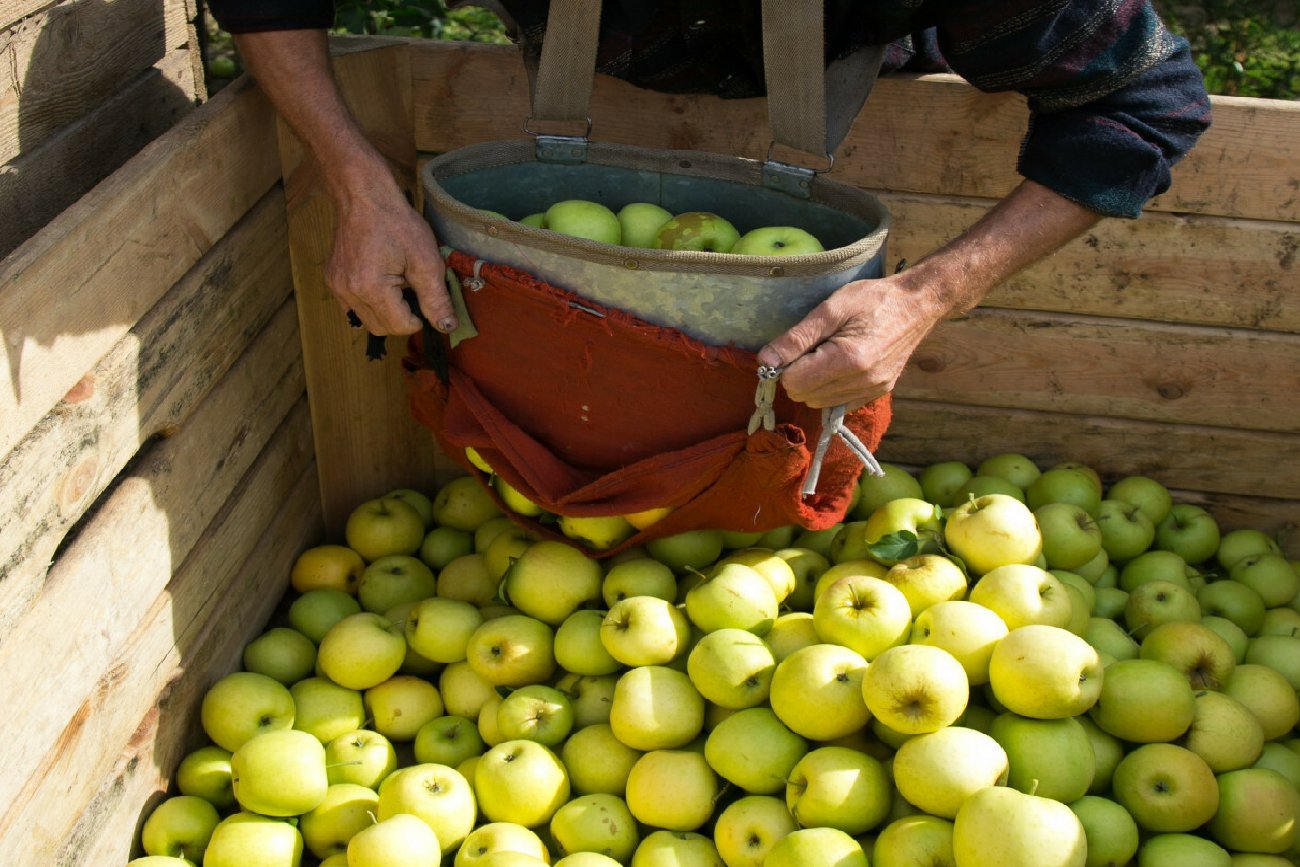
[252,16]
[1114,97]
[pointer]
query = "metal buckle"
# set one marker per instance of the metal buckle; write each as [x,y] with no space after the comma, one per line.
[791,179]
[565,149]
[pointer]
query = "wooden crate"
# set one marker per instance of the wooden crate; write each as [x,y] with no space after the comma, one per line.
[184,409]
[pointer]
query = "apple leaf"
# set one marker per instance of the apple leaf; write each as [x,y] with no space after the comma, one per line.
[896,546]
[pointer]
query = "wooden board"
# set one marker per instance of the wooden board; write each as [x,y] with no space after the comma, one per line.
[366,441]
[146,386]
[71,292]
[963,144]
[113,572]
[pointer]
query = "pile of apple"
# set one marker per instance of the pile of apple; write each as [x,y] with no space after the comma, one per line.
[1007,666]
[650,226]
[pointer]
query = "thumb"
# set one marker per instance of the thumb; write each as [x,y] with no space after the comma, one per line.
[427,275]
[804,337]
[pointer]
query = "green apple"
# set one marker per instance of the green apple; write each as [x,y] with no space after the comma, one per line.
[676,849]
[1166,788]
[981,486]
[838,787]
[807,564]
[1099,571]
[656,708]
[439,628]
[419,501]
[863,613]
[816,847]
[1193,648]
[1108,637]
[817,692]
[578,645]
[1268,695]
[179,827]
[914,840]
[1278,757]
[536,712]
[769,563]
[1071,536]
[590,696]
[162,861]
[966,630]
[244,704]
[597,761]
[1182,850]
[463,504]
[1230,632]
[1126,531]
[747,829]
[1284,620]
[362,650]
[205,773]
[441,545]
[644,630]
[1259,811]
[490,838]
[1279,652]
[1149,495]
[777,241]
[697,230]
[1045,672]
[939,770]
[1016,468]
[672,789]
[643,576]
[1233,601]
[325,709]
[537,220]
[463,691]
[1051,758]
[399,706]
[600,823]
[1157,602]
[1189,531]
[279,773]
[1268,574]
[1109,602]
[447,740]
[1060,484]
[1144,701]
[732,668]
[875,491]
[596,532]
[732,595]
[281,653]
[516,501]
[844,569]
[941,481]
[437,794]
[520,781]
[927,579]
[1238,544]
[383,526]
[551,580]
[640,223]
[466,579]
[1107,750]
[688,550]
[1155,565]
[347,809]
[1001,826]
[992,531]
[909,516]
[754,751]
[362,756]
[791,631]
[583,219]
[916,688]
[514,650]
[399,839]
[1022,594]
[1111,832]
[247,839]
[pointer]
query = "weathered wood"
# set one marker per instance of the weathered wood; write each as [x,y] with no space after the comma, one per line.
[1110,367]
[1162,267]
[11,11]
[67,61]
[366,441]
[115,761]
[147,385]
[963,144]
[127,551]
[1211,460]
[71,292]
[38,185]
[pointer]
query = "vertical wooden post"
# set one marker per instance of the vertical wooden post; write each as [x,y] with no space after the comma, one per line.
[366,441]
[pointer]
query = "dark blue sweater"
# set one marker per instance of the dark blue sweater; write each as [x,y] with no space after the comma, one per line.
[1115,98]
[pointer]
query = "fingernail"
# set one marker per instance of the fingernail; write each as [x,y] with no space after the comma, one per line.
[768,357]
[447,325]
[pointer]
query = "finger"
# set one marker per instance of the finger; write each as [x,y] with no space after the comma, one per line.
[427,275]
[805,336]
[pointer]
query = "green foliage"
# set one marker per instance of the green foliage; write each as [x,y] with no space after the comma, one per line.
[1242,47]
[428,19]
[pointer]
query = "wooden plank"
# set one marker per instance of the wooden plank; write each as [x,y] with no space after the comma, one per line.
[71,292]
[147,385]
[127,551]
[63,63]
[38,185]
[117,757]
[1190,457]
[1166,267]
[12,11]
[366,441]
[1110,367]
[922,134]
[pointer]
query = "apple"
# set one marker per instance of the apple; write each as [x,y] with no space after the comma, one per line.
[874,491]
[399,839]
[399,706]
[597,761]
[1268,695]
[1182,850]
[1268,574]
[1230,632]
[844,569]
[537,220]
[281,653]
[643,576]
[441,545]
[490,838]
[1022,594]
[550,580]
[598,823]
[315,611]
[927,579]
[1278,757]
[967,630]
[640,222]
[1155,565]
[992,531]
[644,630]
[326,710]
[1144,701]
[939,770]
[747,829]
[1193,648]
[536,712]
[1111,639]
[807,564]
[1107,750]
[447,740]
[578,645]
[1045,672]
[771,565]
[1258,812]
[244,704]
[656,708]
[180,827]
[1051,758]
[1189,531]
[590,695]
[915,688]
[1109,602]
[1157,602]
[863,613]
[1016,468]
[732,668]
[1099,571]
[1126,531]
[361,756]
[463,691]
[913,840]
[676,849]
[347,810]
[672,789]
[1279,652]
[205,773]
[1001,826]
[279,773]
[362,650]
[732,595]
[520,781]
[439,629]
[467,579]
[1233,601]
[817,692]
[1235,545]
[439,795]
[1149,495]
[596,532]
[1166,788]
[1071,536]
[513,650]
[335,567]
[1111,832]
[697,230]
[754,751]
[838,787]
[791,631]
[384,526]
[247,839]
[940,482]
[816,847]
[688,550]
[777,241]
[583,219]
[1284,620]
[515,500]
[980,486]
[909,516]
